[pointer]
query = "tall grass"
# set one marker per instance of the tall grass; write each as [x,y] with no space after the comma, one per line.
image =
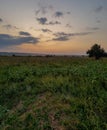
[53,93]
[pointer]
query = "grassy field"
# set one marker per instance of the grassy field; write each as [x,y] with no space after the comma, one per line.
[53,93]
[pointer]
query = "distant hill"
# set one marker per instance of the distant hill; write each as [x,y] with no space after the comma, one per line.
[20,54]
[38,54]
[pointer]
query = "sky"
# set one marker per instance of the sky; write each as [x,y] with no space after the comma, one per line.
[52,26]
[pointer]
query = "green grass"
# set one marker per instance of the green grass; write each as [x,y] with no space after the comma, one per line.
[53,93]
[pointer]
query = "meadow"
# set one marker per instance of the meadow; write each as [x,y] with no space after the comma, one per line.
[53,93]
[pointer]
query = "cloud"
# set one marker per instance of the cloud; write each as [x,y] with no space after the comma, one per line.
[68,26]
[61,36]
[9,26]
[46,30]
[58,14]
[93,28]
[81,34]
[1,20]
[9,40]
[68,12]
[99,9]
[24,33]
[54,22]
[42,20]
[43,9]
[98,21]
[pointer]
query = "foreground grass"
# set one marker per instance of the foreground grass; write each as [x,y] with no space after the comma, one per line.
[54,93]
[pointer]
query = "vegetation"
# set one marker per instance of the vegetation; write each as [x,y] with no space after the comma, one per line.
[96,51]
[53,93]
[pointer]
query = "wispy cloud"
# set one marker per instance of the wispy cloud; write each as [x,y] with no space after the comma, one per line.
[9,40]
[54,22]
[24,33]
[68,12]
[9,26]
[99,9]
[93,28]
[46,30]
[68,26]
[43,10]
[98,21]
[61,36]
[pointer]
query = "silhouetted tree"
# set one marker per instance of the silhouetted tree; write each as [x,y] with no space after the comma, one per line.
[105,54]
[13,55]
[96,51]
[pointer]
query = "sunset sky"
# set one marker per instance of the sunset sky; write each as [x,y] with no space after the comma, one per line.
[52,26]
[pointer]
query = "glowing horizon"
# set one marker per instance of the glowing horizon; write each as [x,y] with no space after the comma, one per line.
[46,26]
